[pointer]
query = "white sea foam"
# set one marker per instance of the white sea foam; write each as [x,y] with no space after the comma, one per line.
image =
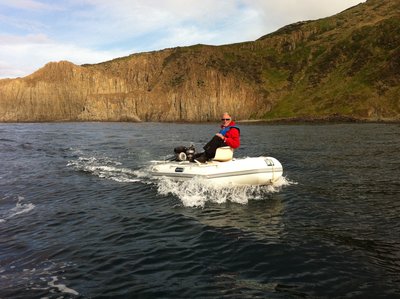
[21,207]
[104,167]
[197,192]
[61,287]
[45,276]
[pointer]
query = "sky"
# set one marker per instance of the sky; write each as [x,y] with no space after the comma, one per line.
[35,32]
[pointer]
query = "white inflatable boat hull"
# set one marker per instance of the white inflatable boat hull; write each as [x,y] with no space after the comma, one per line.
[246,171]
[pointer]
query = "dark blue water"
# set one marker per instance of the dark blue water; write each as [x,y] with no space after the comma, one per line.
[81,218]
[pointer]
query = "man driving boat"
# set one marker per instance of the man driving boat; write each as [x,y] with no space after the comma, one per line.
[229,135]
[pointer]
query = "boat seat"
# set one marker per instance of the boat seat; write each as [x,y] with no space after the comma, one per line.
[223,154]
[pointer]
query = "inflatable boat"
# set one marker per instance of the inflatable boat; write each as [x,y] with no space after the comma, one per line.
[222,170]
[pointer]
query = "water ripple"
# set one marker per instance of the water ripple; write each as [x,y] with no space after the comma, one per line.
[81,218]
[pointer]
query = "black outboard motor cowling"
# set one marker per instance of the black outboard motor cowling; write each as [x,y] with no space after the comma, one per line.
[183,153]
[180,149]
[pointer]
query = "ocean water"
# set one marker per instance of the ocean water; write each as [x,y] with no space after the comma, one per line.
[80,217]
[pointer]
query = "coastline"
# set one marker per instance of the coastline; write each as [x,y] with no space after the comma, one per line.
[322,119]
[287,120]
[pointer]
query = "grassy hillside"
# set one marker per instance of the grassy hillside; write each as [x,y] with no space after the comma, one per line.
[348,64]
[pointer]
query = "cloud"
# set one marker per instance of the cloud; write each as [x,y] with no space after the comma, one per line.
[21,56]
[155,24]
[276,14]
[21,24]
[34,32]
[28,5]
[138,19]
[28,39]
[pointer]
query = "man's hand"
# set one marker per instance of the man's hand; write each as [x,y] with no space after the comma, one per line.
[220,136]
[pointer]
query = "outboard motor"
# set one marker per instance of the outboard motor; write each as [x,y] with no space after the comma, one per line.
[180,153]
[183,153]
[180,149]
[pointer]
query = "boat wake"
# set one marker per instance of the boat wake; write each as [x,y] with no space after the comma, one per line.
[104,167]
[197,192]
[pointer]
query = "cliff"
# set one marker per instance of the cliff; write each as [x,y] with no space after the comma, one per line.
[346,65]
[167,85]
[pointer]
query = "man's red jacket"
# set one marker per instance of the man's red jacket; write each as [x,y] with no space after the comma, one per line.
[232,137]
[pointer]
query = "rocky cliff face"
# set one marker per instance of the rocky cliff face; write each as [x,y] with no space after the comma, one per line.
[144,87]
[346,65]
